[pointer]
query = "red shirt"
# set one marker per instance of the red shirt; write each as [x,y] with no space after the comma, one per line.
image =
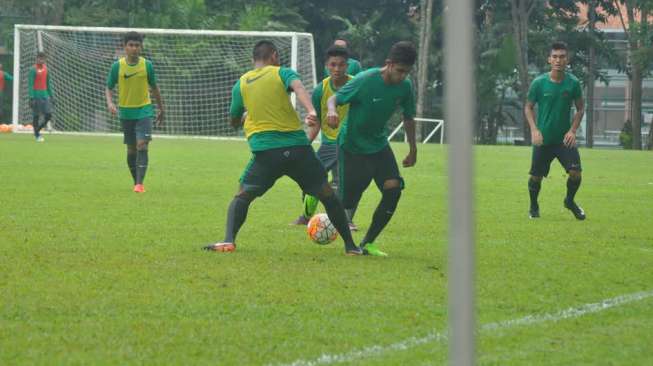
[41,77]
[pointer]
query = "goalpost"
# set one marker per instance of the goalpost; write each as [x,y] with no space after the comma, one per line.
[438,125]
[195,69]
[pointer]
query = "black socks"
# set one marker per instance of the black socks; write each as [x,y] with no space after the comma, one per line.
[572,188]
[336,214]
[534,191]
[141,165]
[131,163]
[236,215]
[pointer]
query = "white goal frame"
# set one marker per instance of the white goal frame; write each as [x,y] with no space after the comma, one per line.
[439,126]
[294,36]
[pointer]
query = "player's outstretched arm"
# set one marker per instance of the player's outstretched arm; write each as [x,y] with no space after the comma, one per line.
[109,97]
[156,93]
[409,127]
[305,100]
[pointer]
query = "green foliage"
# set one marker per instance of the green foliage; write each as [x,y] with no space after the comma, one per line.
[95,274]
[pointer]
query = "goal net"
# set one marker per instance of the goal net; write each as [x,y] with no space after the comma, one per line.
[195,71]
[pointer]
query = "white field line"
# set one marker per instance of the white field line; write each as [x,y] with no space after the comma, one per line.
[575,312]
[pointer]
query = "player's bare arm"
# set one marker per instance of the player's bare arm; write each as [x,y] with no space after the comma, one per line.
[305,100]
[536,135]
[332,114]
[313,131]
[411,158]
[570,136]
[156,93]
[110,106]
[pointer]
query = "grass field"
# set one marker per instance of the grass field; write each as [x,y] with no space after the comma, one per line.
[92,273]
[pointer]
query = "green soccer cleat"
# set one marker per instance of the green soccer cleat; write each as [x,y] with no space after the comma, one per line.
[373,250]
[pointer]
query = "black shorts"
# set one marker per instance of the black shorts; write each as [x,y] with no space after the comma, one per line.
[356,171]
[328,156]
[568,157]
[41,106]
[135,130]
[297,162]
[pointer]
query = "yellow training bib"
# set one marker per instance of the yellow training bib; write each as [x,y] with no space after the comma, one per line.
[327,92]
[133,87]
[267,102]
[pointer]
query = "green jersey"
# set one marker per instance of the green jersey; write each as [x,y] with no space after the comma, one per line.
[554,101]
[371,104]
[353,67]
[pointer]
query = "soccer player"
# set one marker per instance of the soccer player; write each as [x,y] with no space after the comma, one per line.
[136,80]
[365,153]
[278,143]
[336,63]
[40,95]
[353,65]
[4,77]
[554,136]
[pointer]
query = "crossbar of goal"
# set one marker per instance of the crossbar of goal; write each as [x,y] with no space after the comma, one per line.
[157,31]
[439,124]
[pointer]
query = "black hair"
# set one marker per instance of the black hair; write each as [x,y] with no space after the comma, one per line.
[337,51]
[403,53]
[263,50]
[559,45]
[132,36]
[40,54]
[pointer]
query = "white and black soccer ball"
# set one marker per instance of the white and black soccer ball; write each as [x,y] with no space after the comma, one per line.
[321,230]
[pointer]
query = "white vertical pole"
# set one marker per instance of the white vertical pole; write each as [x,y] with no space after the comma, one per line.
[39,41]
[314,62]
[460,111]
[16,82]
[442,133]
[293,64]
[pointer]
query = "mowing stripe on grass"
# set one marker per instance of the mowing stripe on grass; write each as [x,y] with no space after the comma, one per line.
[435,336]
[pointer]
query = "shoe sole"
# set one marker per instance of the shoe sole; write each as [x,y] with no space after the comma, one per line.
[228,248]
[375,254]
[353,254]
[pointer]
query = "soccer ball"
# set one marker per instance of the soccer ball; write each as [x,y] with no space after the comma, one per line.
[321,230]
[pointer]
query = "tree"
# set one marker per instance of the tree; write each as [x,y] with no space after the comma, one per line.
[637,35]
[589,117]
[521,11]
[426,14]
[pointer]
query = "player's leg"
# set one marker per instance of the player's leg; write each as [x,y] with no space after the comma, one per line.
[540,165]
[36,116]
[131,161]
[129,139]
[260,174]
[326,154]
[570,160]
[390,183]
[355,174]
[47,112]
[143,131]
[307,171]
[2,111]
[331,165]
